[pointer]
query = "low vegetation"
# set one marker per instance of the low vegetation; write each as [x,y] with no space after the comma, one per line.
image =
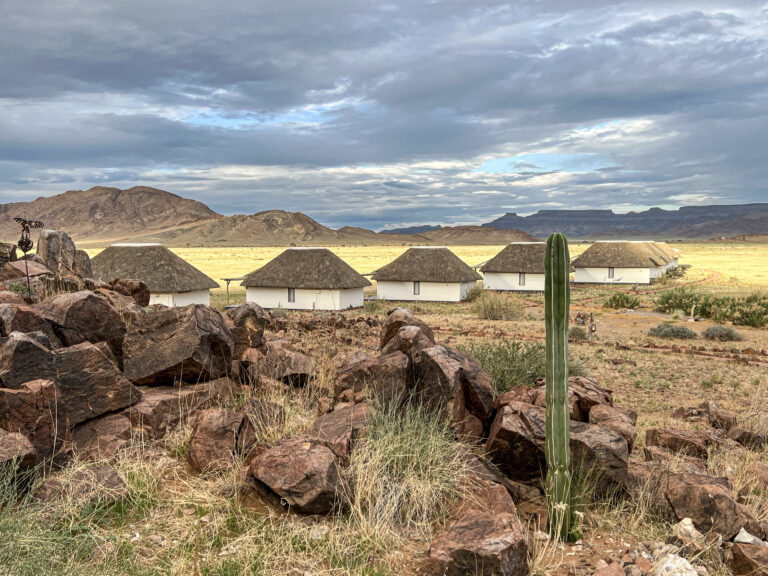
[672,331]
[621,300]
[498,306]
[722,333]
[577,333]
[474,293]
[751,310]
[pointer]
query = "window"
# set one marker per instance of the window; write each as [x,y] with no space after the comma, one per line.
[521,280]
[416,288]
[610,272]
[291,295]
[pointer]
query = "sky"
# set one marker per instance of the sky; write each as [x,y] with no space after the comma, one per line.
[382,114]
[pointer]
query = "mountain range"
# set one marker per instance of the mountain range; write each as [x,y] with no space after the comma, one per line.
[101,215]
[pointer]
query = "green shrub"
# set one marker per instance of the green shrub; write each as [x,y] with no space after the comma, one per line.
[622,300]
[749,311]
[372,306]
[722,333]
[497,306]
[672,331]
[514,362]
[474,293]
[577,333]
[17,288]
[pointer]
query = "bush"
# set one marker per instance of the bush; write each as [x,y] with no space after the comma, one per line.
[474,293]
[496,306]
[722,333]
[622,300]
[577,333]
[672,331]
[749,311]
[514,362]
[17,288]
[372,306]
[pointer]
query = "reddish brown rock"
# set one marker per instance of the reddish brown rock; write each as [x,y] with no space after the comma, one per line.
[301,471]
[583,394]
[674,462]
[36,410]
[189,344]
[477,387]
[103,437]
[748,438]
[748,560]
[7,297]
[22,318]
[409,340]
[81,264]
[719,417]
[214,442]
[25,357]
[398,318]
[613,569]
[57,249]
[387,376]
[246,323]
[685,442]
[162,408]
[520,393]
[137,290]
[614,419]
[85,317]
[16,272]
[16,450]
[99,483]
[90,382]
[344,359]
[339,430]
[482,544]
[284,363]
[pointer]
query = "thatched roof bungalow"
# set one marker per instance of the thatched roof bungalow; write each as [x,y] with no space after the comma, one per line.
[518,267]
[306,279]
[622,262]
[172,281]
[425,273]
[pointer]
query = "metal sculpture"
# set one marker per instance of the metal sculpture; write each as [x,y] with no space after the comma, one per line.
[25,243]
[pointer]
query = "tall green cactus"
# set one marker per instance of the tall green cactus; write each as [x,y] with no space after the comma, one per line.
[557,293]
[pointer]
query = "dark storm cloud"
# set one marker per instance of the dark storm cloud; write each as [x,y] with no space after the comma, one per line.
[371,113]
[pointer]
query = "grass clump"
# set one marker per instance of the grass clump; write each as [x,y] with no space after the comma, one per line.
[497,306]
[672,331]
[722,333]
[474,293]
[514,362]
[621,300]
[577,333]
[372,306]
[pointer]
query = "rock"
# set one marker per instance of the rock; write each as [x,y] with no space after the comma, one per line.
[614,419]
[81,264]
[162,408]
[516,445]
[387,377]
[246,323]
[674,565]
[339,430]
[103,437]
[612,569]
[98,483]
[708,502]
[344,359]
[409,340]
[520,393]
[7,252]
[744,537]
[685,442]
[137,290]
[748,438]
[25,357]
[718,416]
[674,462]
[748,559]
[481,544]
[215,440]
[583,394]
[36,410]
[284,363]
[398,318]
[23,318]
[58,251]
[16,450]
[477,387]
[85,317]
[7,297]
[189,344]
[486,496]
[301,471]
[643,564]
[685,535]
[90,382]
[16,272]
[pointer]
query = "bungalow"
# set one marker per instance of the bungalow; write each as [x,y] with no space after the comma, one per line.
[425,273]
[172,281]
[518,267]
[305,279]
[621,262]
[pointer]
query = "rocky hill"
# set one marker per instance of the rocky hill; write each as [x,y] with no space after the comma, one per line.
[687,222]
[102,214]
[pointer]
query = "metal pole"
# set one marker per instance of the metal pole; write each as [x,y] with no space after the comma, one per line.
[26,267]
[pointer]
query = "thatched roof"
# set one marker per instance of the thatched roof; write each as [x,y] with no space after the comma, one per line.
[667,250]
[427,264]
[312,268]
[621,255]
[518,257]
[161,269]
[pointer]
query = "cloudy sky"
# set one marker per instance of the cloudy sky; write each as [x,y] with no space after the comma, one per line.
[379,113]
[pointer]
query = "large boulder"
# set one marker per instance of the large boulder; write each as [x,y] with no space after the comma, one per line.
[301,471]
[137,290]
[409,340]
[23,318]
[246,323]
[57,249]
[16,272]
[162,408]
[398,318]
[36,410]
[482,544]
[282,362]
[7,252]
[25,357]
[216,439]
[103,437]
[91,383]
[684,442]
[16,450]
[340,429]
[81,264]
[85,317]
[7,297]
[516,444]
[387,376]
[189,344]
[615,419]
[748,559]
[583,394]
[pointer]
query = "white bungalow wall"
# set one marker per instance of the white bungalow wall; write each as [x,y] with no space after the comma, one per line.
[620,276]
[511,281]
[428,291]
[178,299]
[306,299]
